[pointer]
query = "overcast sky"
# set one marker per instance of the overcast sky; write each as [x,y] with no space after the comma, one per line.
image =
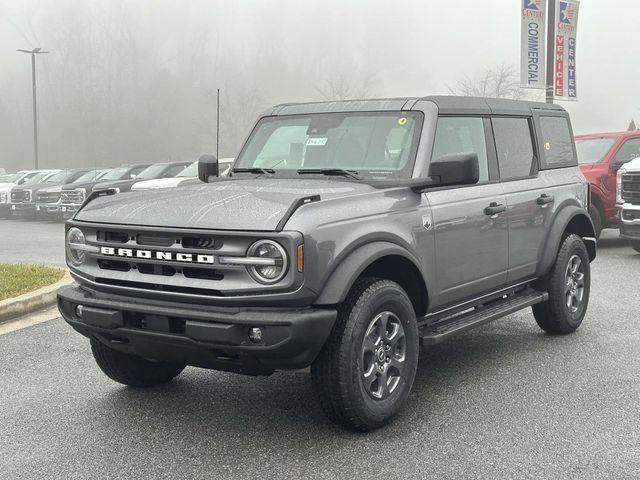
[281,50]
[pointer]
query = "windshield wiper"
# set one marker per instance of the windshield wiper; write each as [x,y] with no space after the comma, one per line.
[259,170]
[339,172]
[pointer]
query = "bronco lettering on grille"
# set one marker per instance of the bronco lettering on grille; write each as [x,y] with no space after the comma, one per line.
[158,255]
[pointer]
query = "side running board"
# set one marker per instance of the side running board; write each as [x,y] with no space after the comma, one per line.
[444,328]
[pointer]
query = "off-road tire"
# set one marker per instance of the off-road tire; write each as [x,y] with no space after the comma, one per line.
[337,374]
[554,316]
[130,369]
[635,244]
[596,219]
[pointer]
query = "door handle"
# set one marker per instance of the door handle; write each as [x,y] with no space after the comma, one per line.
[544,199]
[494,208]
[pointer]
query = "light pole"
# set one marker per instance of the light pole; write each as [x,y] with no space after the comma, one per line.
[33,54]
[551,49]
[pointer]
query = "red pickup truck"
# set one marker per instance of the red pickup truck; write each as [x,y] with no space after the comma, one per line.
[600,157]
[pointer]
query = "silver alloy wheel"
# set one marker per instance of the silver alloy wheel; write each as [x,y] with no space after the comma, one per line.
[574,283]
[384,350]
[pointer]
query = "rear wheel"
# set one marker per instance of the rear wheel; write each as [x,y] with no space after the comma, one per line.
[130,369]
[366,369]
[635,244]
[568,285]
[596,218]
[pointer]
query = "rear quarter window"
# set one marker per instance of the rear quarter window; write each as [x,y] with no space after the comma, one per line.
[557,143]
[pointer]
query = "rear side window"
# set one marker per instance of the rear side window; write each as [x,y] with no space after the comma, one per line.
[514,146]
[557,143]
[462,135]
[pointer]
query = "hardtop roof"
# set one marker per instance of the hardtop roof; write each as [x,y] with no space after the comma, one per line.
[447,104]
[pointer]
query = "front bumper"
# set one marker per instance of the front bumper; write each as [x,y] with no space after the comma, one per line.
[200,335]
[629,221]
[48,209]
[23,209]
[68,210]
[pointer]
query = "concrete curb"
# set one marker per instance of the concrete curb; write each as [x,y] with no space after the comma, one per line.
[33,301]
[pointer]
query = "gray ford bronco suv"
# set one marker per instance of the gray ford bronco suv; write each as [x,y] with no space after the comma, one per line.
[347,235]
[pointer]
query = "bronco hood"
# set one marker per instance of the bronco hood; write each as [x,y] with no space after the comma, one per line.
[246,204]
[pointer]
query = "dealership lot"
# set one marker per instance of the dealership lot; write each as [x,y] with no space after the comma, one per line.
[503,401]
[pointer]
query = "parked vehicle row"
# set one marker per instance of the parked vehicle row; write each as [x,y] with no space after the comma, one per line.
[58,194]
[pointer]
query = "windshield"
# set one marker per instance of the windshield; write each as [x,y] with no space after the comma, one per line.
[116,173]
[10,178]
[154,171]
[375,145]
[37,178]
[90,176]
[593,150]
[60,177]
[190,171]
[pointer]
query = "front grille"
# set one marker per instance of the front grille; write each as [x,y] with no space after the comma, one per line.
[180,261]
[47,197]
[20,196]
[631,187]
[72,196]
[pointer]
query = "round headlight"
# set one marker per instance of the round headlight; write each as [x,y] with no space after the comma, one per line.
[76,244]
[275,265]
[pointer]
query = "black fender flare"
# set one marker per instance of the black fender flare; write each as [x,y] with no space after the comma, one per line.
[339,282]
[584,228]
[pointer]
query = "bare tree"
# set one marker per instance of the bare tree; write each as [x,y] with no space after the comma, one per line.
[632,126]
[341,87]
[501,81]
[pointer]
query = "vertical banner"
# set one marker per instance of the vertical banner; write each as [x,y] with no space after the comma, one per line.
[564,69]
[533,43]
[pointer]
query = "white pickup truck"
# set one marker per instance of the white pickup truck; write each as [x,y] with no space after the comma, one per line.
[188,174]
[628,186]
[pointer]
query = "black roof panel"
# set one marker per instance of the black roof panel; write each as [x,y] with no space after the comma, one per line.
[447,104]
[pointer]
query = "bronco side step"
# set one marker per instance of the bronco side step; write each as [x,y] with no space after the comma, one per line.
[446,327]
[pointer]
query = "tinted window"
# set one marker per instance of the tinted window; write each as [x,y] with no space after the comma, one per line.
[514,146]
[462,135]
[556,140]
[628,151]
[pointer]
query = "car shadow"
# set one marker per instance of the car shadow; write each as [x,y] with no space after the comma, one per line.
[204,403]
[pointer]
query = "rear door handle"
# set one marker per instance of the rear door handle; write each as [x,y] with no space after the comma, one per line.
[494,208]
[544,199]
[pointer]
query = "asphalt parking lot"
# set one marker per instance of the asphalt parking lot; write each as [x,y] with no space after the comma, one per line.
[504,401]
[26,241]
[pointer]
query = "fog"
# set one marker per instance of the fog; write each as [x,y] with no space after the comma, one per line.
[132,81]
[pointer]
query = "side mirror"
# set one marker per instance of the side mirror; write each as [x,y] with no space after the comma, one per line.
[455,169]
[207,167]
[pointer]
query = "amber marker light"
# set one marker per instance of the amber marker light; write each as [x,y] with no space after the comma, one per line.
[300,258]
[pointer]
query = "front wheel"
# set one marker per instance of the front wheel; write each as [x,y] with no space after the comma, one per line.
[130,369]
[568,285]
[366,369]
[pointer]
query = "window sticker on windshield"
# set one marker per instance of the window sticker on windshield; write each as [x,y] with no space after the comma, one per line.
[547,146]
[317,141]
[402,120]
